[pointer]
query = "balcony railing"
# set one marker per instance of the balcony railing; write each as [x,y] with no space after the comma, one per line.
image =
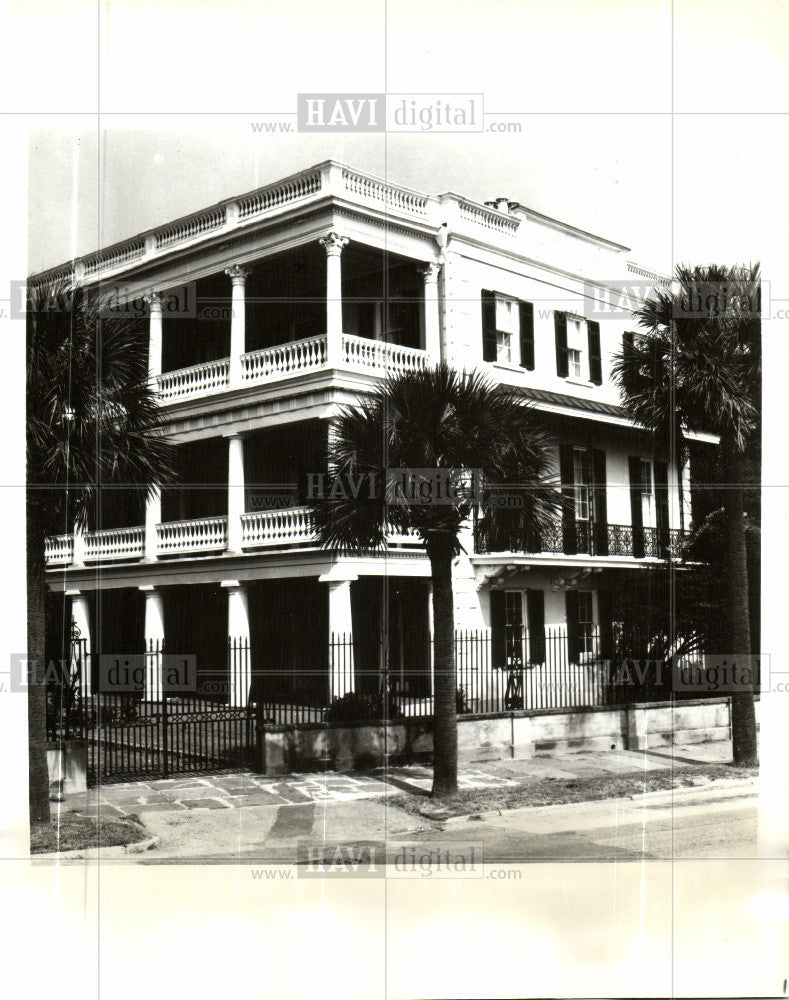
[589,539]
[202,535]
[277,528]
[199,380]
[290,528]
[379,357]
[59,550]
[356,354]
[115,543]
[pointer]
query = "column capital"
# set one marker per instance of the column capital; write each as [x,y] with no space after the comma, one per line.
[148,588]
[233,584]
[237,274]
[430,272]
[153,300]
[333,243]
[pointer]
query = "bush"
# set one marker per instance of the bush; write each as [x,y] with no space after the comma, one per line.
[355,707]
[462,706]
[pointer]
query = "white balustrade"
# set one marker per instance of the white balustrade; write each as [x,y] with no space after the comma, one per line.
[211,376]
[106,259]
[391,195]
[200,535]
[487,218]
[381,357]
[59,550]
[277,528]
[284,359]
[279,194]
[187,229]
[114,543]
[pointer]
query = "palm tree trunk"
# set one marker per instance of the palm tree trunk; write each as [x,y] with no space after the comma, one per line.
[36,688]
[445,729]
[736,620]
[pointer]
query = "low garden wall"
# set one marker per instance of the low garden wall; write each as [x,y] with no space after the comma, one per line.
[501,736]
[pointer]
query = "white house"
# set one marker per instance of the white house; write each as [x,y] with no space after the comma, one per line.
[266,314]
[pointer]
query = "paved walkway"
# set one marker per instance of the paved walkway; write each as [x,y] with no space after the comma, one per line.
[246,789]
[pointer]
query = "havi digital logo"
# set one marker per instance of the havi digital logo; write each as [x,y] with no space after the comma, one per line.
[341,112]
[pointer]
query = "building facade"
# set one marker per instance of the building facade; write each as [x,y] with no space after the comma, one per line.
[266,315]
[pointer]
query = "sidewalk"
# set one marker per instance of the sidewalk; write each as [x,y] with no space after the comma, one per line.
[246,789]
[242,815]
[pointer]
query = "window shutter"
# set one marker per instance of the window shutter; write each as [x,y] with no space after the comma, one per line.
[498,644]
[488,326]
[627,344]
[600,503]
[636,512]
[573,626]
[605,649]
[661,506]
[535,616]
[595,361]
[560,326]
[526,310]
[569,532]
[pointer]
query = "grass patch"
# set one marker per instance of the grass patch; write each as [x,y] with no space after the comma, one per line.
[553,791]
[71,833]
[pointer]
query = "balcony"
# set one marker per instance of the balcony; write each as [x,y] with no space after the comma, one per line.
[272,364]
[287,529]
[594,540]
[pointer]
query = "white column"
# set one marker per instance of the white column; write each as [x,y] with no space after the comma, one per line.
[154,641]
[238,642]
[80,618]
[78,559]
[235,491]
[153,517]
[432,327]
[238,276]
[333,244]
[341,666]
[154,301]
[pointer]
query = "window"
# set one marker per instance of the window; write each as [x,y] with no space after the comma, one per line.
[585,622]
[575,347]
[506,329]
[583,483]
[513,627]
[646,479]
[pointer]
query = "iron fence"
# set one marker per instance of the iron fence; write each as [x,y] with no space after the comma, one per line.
[211,720]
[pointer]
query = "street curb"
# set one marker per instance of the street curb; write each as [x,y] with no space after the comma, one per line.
[99,853]
[668,794]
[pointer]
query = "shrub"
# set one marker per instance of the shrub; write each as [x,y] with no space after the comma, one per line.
[355,707]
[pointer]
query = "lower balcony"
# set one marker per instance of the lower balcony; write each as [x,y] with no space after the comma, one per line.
[581,539]
[289,529]
[299,357]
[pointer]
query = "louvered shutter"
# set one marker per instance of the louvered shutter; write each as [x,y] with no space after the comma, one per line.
[526,310]
[488,326]
[560,327]
[595,360]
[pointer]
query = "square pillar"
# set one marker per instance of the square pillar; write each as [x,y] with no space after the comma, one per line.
[153,517]
[333,243]
[239,661]
[81,638]
[236,499]
[154,642]
[432,322]
[341,664]
[238,276]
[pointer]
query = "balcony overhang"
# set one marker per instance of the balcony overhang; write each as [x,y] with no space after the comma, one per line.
[495,564]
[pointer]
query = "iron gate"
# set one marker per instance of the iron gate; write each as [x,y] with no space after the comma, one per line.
[130,735]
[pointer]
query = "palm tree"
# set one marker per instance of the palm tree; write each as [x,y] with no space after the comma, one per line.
[435,419]
[698,366]
[92,420]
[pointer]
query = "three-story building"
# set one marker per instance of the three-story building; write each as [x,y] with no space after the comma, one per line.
[268,313]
